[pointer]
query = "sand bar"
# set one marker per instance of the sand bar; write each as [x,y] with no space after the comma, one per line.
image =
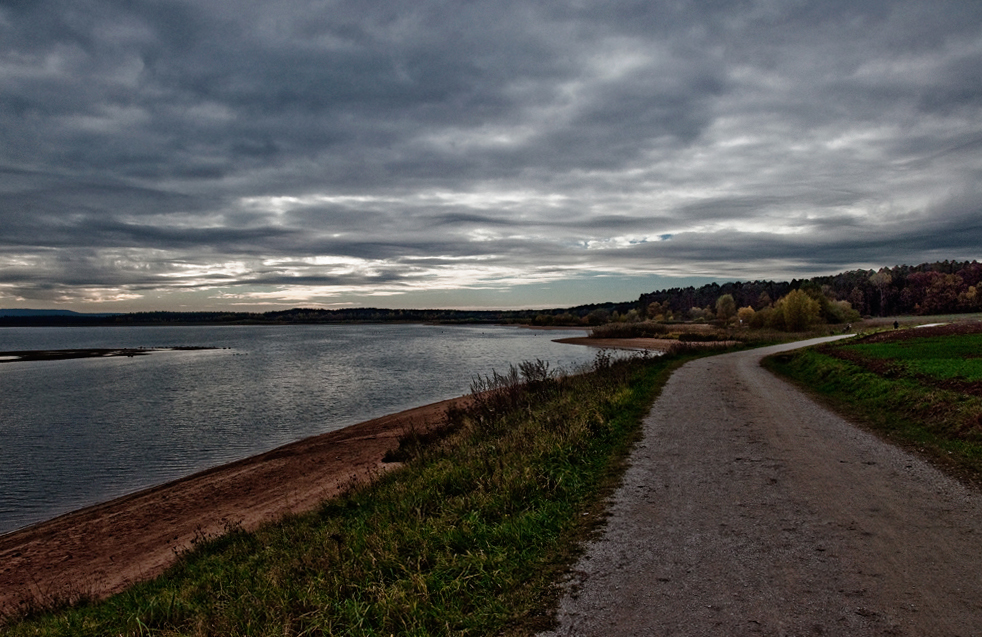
[65,354]
[651,344]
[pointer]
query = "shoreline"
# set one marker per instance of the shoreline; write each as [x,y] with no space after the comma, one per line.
[638,344]
[103,549]
[635,344]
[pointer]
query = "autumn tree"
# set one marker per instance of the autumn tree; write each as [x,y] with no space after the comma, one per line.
[799,311]
[970,300]
[725,307]
[941,295]
[881,281]
[745,315]
[597,317]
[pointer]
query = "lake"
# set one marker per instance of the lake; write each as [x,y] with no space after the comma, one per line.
[78,432]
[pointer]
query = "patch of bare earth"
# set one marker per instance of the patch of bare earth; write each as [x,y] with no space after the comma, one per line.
[748,509]
[103,549]
[944,329]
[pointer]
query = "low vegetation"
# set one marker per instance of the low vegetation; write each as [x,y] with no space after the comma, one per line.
[919,387]
[646,329]
[468,537]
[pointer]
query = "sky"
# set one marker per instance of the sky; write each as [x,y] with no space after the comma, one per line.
[252,156]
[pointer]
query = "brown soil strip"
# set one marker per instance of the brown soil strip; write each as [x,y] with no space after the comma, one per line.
[103,549]
[889,368]
[64,354]
[944,329]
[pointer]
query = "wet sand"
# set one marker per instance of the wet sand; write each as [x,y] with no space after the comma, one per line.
[103,549]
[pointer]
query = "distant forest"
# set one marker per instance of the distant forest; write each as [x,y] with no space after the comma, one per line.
[946,287]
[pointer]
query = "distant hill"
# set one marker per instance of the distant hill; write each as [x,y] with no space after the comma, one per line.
[26,312]
[29,312]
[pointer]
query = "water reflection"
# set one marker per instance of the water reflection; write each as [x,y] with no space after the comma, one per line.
[77,432]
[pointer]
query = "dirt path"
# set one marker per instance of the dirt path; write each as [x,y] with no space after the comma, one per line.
[105,548]
[748,509]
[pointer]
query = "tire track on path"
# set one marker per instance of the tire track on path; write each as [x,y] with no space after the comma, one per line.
[748,509]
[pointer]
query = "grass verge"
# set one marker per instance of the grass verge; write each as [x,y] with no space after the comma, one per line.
[467,538]
[900,387]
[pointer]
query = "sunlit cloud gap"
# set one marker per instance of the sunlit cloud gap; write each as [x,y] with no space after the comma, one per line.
[203,157]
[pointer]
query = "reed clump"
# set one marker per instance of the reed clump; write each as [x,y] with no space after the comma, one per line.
[467,538]
[646,329]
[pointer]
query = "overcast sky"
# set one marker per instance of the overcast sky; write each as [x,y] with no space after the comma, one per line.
[271,154]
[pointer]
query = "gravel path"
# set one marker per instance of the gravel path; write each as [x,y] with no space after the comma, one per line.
[748,509]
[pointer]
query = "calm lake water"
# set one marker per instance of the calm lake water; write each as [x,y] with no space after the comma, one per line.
[79,432]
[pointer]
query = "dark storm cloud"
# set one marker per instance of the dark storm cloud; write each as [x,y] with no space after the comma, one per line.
[323,150]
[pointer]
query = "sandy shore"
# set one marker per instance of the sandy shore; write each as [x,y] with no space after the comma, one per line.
[103,549]
[652,344]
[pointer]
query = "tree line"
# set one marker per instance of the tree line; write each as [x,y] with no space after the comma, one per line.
[944,287]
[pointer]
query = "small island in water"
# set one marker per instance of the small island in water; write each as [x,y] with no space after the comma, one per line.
[64,354]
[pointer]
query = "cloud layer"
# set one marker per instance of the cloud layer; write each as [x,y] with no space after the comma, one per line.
[255,154]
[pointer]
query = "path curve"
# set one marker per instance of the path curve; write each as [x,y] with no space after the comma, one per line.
[748,509]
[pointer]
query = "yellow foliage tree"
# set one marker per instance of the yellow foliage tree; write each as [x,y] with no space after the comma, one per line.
[745,315]
[799,310]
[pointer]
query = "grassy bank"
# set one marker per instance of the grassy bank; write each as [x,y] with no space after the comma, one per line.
[921,388]
[703,332]
[467,538]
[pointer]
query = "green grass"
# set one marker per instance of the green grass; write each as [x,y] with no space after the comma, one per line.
[943,357]
[468,538]
[895,389]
